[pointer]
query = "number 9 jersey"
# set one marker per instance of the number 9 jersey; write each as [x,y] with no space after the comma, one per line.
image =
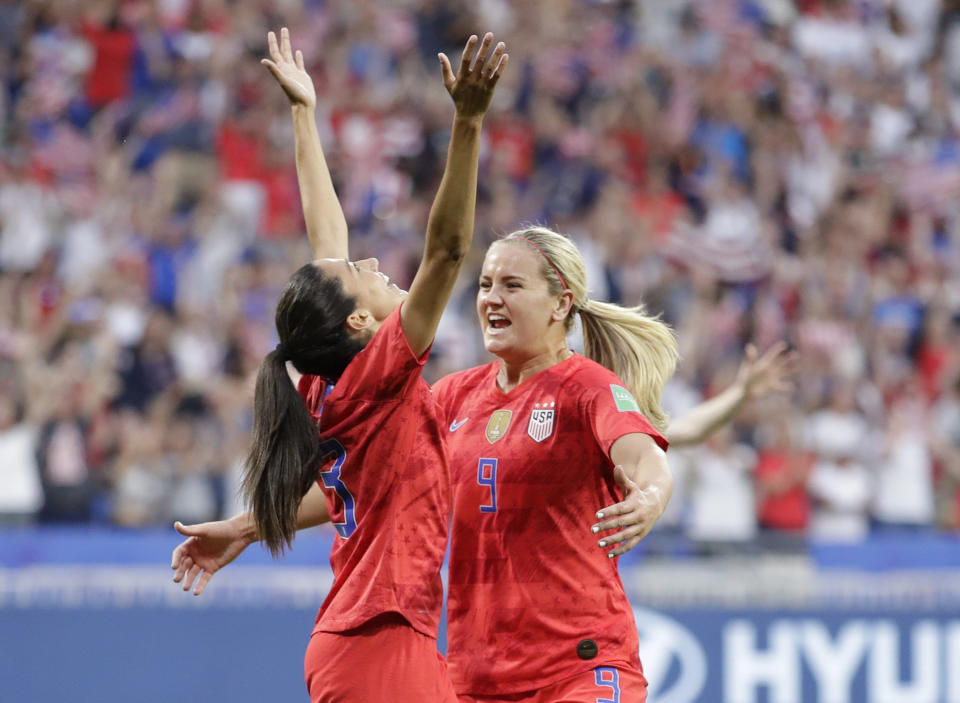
[532,598]
[384,475]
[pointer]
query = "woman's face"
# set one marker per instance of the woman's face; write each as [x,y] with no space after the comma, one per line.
[363,281]
[519,318]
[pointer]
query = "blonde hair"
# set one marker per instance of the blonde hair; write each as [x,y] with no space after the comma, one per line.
[640,349]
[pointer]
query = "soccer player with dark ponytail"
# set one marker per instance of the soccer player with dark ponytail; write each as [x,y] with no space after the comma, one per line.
[358,439]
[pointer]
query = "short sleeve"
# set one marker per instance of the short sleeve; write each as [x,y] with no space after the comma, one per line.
[386,369]
[611,411]
[313,390]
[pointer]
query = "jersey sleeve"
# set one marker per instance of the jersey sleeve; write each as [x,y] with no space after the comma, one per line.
[313,390]
[387,368]
[611,411]
[442,391]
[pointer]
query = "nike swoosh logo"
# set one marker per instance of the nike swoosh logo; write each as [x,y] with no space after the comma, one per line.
[457,424]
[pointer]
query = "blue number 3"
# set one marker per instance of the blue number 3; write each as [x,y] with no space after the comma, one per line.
[331,479]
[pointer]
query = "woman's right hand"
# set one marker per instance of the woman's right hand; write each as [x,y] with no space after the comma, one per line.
[289,71]
[472,87]
[208,548]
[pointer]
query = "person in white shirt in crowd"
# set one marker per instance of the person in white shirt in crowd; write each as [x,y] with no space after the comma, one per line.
[840,485]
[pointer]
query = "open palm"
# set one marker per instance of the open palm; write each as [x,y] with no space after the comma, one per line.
[209,547]
[288,69]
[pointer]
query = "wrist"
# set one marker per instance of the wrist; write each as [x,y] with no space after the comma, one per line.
[473,122]
[246,528]
[302,109]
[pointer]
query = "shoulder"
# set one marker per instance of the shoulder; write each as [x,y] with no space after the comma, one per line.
[586,377]
[464,380]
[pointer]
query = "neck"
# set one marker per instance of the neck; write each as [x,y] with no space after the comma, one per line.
[513,373]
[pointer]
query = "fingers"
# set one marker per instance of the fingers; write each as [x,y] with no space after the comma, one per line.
[202,583]
[493,64]
[299,57]
[467,57]
[182,569]
[192,574]
[285,49]
[273,48]
[498,71]
[625,547]
[448,78]
[629,532]
[629,515]
[190,530]
[273,68]
[481,58]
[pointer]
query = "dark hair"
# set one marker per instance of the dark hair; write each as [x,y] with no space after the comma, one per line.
[281,466]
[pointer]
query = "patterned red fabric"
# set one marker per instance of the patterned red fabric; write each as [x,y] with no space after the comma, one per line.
[386,485]
[528,582]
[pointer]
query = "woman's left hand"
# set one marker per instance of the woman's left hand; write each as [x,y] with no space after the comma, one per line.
[472,87]
[761,375]
[633,517]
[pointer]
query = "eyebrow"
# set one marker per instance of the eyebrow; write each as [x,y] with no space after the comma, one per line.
[508,277]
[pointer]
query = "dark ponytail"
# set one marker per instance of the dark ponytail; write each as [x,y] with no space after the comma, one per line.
[281,466]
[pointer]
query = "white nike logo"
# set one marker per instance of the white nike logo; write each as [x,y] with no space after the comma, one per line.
[457,424]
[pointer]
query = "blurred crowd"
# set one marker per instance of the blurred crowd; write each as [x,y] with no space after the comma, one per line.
[755,170]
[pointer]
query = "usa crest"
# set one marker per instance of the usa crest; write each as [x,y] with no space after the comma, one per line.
[498,425]
[541,421]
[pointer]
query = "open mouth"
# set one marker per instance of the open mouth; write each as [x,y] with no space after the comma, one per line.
[497,322]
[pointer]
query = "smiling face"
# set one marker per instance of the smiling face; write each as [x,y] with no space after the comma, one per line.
[376,297]
[519,317]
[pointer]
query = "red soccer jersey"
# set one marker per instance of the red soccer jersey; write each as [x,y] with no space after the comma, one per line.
[386,483]
[528,582]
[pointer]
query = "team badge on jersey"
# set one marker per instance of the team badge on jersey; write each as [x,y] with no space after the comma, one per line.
[541,421]
[498,425]
[624,399]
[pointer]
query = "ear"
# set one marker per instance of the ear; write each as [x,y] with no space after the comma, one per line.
[360,320]
[562,306]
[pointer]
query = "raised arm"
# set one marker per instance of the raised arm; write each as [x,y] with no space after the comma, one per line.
[326,224]
[450,225]
[756,378]
[210,546]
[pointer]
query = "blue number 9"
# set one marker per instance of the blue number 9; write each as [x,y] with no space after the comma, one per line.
[487,476]
[331,479]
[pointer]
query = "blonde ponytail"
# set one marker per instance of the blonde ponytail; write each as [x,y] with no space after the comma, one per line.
[640,349]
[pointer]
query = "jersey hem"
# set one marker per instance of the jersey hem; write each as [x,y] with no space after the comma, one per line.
[538,684]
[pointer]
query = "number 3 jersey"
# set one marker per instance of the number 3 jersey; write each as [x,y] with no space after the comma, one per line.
[384,475]
[532,597]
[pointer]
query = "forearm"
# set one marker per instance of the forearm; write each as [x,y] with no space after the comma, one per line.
[313,508]
[325,221]
[450,225]
[706,418]
[652,474]
[312,512]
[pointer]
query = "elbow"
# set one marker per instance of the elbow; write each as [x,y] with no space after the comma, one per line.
[447,253]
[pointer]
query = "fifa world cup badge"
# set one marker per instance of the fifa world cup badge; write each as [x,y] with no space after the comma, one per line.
[541,421]
[498,425]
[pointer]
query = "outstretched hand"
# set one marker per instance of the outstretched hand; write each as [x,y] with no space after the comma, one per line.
[633,517]
[288,69]
[473,85]
[761,375]
[208,548]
